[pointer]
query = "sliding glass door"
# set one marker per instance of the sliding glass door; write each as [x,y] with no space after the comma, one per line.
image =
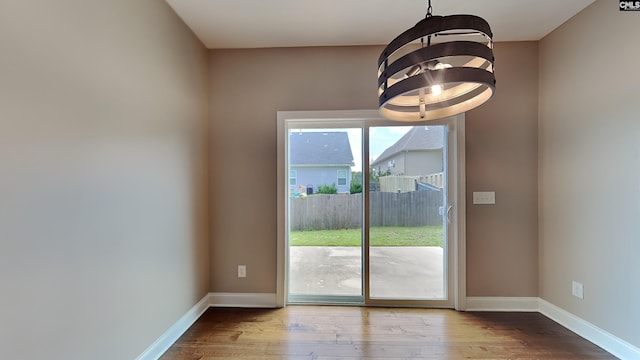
[367,205]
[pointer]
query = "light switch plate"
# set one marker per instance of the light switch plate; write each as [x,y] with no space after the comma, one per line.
[484,197]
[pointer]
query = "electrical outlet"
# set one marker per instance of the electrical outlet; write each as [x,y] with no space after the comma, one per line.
[577,289]
[242,271]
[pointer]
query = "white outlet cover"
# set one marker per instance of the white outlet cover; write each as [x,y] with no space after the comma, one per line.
[577,289]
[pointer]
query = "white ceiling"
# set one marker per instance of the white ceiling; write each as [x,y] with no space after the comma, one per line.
[293,23]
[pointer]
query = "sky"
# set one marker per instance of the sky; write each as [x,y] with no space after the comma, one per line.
[381,139]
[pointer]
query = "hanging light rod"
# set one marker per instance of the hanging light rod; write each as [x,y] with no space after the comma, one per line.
[425,81]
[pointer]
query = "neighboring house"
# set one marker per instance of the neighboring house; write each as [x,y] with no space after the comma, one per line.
[417,153]
[319,158]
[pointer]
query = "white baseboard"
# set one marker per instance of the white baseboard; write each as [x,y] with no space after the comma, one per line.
[602,338]
[596,335]
[518,304]
[164,342]
[249,300]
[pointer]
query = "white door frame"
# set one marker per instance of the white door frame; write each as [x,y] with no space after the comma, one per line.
[457,181]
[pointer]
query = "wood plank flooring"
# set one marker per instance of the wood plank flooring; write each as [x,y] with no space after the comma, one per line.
[332,332]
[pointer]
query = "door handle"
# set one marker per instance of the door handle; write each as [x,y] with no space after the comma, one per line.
[449,214]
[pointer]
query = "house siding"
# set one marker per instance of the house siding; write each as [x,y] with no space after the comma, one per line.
[316,176]
[412,163]
[423,162]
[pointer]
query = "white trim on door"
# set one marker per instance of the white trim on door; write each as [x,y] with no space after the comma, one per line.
[457,246]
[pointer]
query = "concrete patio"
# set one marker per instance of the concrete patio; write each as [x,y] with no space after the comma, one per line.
[396,272]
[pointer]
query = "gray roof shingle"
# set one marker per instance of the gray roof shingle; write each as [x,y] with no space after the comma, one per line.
[320,148]
[418,138]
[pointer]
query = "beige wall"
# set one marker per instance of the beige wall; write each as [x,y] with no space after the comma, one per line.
[590,167]
[248,87]
[501,154]
[103,181]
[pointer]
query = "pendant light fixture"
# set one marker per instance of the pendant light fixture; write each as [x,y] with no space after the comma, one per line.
[441,67]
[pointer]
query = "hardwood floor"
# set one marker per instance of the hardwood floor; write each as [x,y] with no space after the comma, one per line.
[329,332]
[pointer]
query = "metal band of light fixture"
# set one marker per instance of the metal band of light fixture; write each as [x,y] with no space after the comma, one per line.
[462,70]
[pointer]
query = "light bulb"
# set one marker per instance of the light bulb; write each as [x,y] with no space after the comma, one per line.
[437,89]
[440,66]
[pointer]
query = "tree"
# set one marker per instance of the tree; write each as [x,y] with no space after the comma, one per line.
[375,176]
[356,182]
[355,188]
[327,189]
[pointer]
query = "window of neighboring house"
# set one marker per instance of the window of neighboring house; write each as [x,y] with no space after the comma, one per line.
[293,177]
[342,177]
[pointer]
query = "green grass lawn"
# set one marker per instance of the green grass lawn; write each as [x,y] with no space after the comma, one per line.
[379,236]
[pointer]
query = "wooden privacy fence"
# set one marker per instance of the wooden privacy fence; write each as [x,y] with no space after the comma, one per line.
[344,211]
[417,208]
